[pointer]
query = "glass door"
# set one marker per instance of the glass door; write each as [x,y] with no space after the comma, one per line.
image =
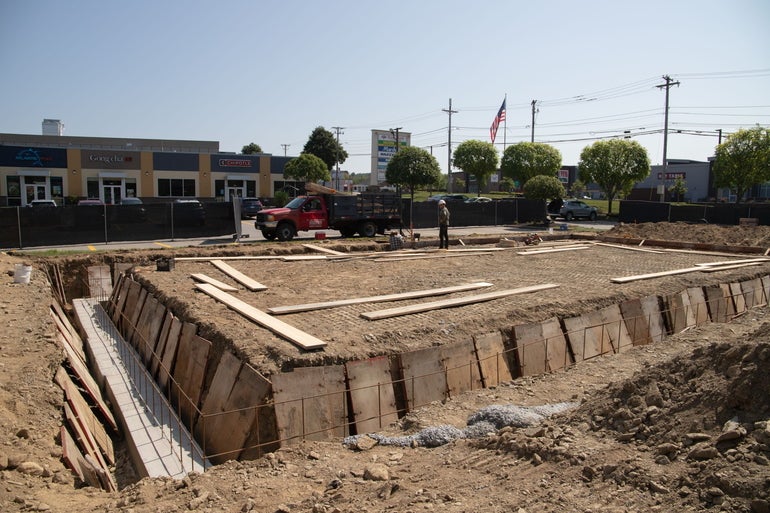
[112,191]
[35,191]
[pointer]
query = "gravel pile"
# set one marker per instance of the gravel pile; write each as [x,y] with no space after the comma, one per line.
[480,424]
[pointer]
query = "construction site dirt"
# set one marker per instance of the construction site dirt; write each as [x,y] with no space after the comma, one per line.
[683,391]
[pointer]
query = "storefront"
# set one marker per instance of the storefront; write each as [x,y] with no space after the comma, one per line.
[32,174]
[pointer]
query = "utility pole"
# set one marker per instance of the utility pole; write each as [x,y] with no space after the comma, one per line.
[534,110]
[719,131]
[449,147]
[669,83]
[337,151]
[285,146]
[394,132]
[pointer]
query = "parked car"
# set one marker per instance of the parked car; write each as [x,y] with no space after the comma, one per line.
[572,209]
[448,197]
[130,210]
[41,203]
[250,207]
[478,199]
[90,202]
[188,212]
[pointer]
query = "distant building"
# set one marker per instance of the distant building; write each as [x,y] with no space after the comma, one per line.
[696,176]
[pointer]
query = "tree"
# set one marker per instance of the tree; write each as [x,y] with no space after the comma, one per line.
[323,145]
[543,188]
[251,149]
[679,189]
[578,188]
[743,161]
[412,167]
[615,165]
[507,184]
[477,158]
[307,168]
[524,160]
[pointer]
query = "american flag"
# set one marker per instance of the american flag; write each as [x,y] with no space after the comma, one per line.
[496,123]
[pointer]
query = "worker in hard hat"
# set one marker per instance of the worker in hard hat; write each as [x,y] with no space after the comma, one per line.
[443,225]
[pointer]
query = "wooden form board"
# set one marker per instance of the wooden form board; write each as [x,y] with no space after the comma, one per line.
[161,346]
[316,247]
[551,250]
[753,292]
[372,397]
[310,403]
[189,372]
[449,303]
[766,287]
[150,323]
[644,322]
[613,323]
[698,305]
[99,281]
[376,299]
[629,248]
[587,336]
[75,460]
[540,347]
[67,333]
[302,258]
[177,331]
[717,268]
[628,279]
[446,254]
[493,362]
[218,284]
[229,410]
[238,276]
[738,298]
[280,328]
[424,377]
[462,367]
[118,301]
[719,302]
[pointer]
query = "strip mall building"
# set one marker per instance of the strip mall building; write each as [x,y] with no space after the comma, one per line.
[66,168]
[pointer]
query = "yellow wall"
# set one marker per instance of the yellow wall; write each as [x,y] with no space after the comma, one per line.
[265,185]
[146,185]
[205,180]
[74,183]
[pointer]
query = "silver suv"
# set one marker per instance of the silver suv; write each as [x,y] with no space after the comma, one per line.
[572,209]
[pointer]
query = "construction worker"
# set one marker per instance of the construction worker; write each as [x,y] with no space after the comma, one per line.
[443,225]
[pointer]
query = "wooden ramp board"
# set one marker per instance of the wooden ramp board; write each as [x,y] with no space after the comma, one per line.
[218,284]
[372,398]
[280,328]
[310,403]
[586,336]
[643,320]
[698,305]
[328,251]
[189,372]
[628,279]
[462,367]
[449,303]
[540,347]
[493,362]
[719,302]
[229,410]
[238,276]
[99,281]
[424,377]
[377,299]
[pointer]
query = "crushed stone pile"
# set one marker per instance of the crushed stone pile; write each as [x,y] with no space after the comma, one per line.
[483,422]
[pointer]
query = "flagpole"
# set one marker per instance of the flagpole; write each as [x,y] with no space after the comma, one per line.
[505,121]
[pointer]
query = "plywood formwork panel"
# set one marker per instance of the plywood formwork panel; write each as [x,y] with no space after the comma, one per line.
[118,300]
[189,372]
[168,358]
[310,403]
[462,367]
[766,287]
[424,377]
[698,305]
[494,365]
[718,302]
[586,336]
[252,398]
[679,314]
[541,347]
[76,461]
[752,291]
[612,320]
[132,300]
[643,319]
[372,396]
[161,345]
[739,300]
[99,281]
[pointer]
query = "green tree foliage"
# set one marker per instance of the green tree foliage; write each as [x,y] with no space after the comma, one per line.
[679,189]
[578,188]
[743,161]
[324,145]
[412,167]
[543,188]
[524,160]
[281,198]
[308,168]
[507,184]
[251,149]
[477,158]
[615,165]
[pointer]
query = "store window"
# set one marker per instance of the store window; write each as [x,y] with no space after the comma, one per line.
[13,186]
[176,187]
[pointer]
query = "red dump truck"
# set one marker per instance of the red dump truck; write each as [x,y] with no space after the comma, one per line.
[366,214]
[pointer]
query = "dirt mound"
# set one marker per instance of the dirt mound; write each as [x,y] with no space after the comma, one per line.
[702,233]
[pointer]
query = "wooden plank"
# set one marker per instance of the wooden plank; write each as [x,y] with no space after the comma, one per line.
[133,309]
[69,327]
[238,276]
[372,397]
[120,302]
[76,461]
[643,320]
[449,303]
[444,254]
[630,248]
[738,298]
[280,328]
[717,302]
[732,262]
[714,269]
[678,312]
[87,418]
[302,258]
[99,281]
[310,403]
[75,343]
[149,326]
[698,305]
[766,287]
[616,329]
[168,359]
[161,346]
[493,363]
[328,251]
[218,284]
[530,349]
[462,367]
[252,398]
[586,336]
[552,250]
[627,279]
[752,291]
[278,310]
[189,371]
[424,377]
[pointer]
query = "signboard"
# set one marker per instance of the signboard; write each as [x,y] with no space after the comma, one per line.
[383,149]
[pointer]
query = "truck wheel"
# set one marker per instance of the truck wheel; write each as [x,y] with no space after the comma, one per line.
[368,229]
[268,235]
[285,232]
[592,216]
[568,216]
[347,232]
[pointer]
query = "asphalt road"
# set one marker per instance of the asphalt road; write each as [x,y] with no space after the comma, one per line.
[250,235]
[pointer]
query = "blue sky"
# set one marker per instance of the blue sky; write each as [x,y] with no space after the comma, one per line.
[269,72]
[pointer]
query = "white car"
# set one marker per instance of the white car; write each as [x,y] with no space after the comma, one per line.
[478,199]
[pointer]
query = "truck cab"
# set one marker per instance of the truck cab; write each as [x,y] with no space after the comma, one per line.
[303,213]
